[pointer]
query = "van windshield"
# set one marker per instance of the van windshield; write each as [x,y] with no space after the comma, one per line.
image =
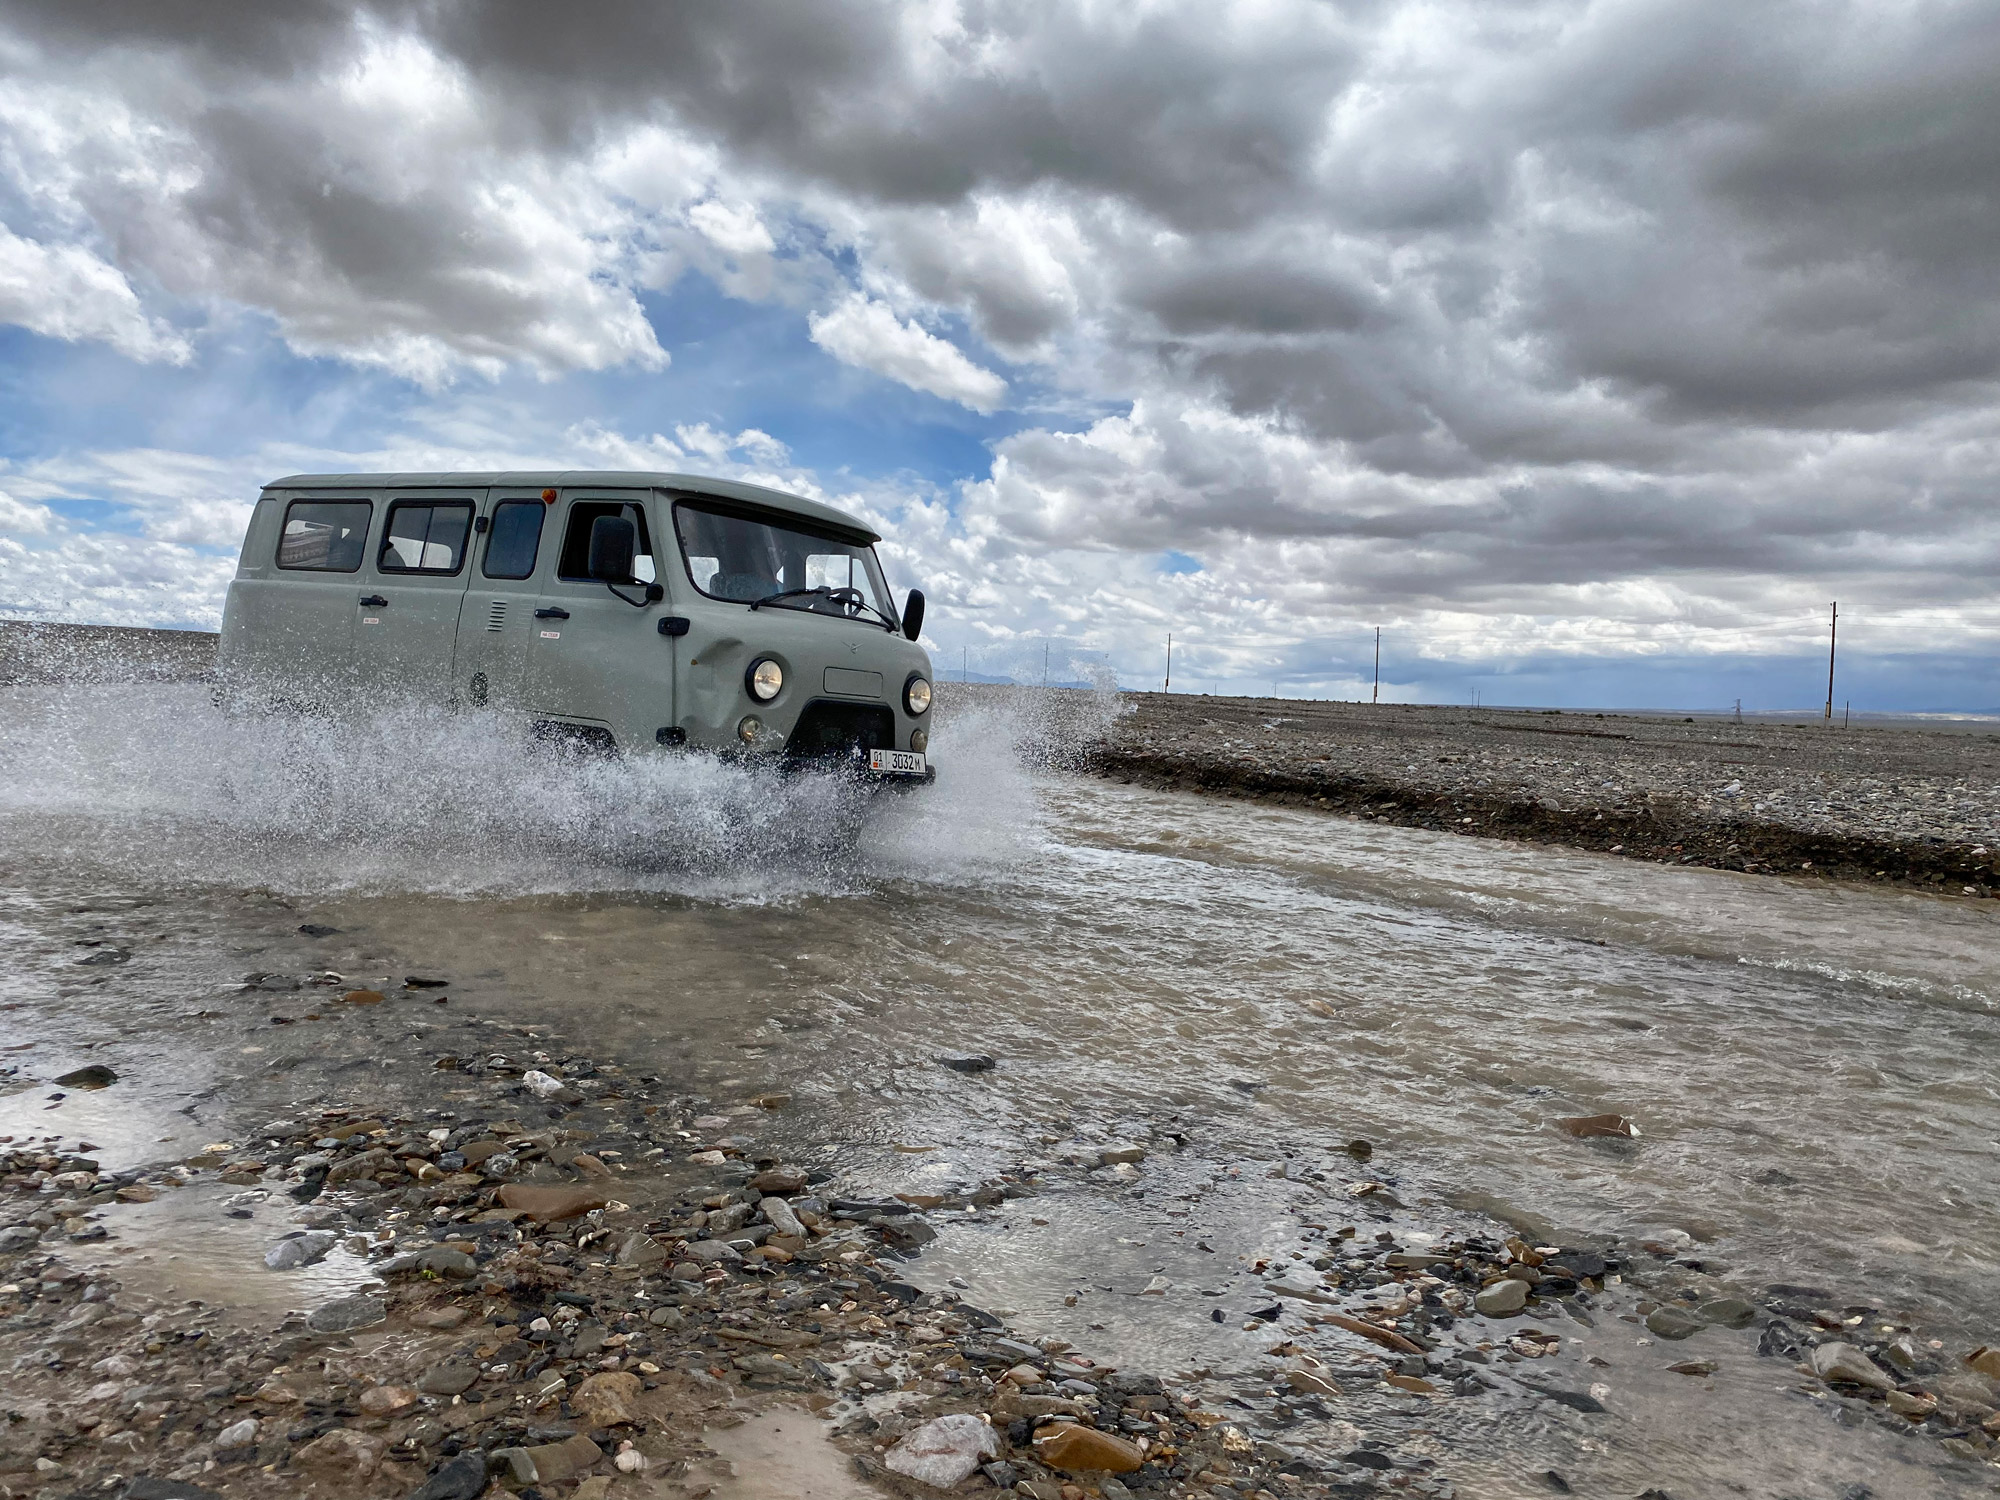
[781,562]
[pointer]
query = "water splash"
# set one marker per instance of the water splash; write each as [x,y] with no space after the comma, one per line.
[158,784]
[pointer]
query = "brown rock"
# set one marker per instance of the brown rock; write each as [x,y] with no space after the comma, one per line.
[546,1205]
[591,1167]
[367,1164]
[342,1454]
[388,1401]
[1411,1383]
[364,997]
[441,1317]
[1985,1360]
[780,1180]
[1306,1383]
[1586,1126]
[476,1152]
[605,1399]
[1086,1450]
[138,1192]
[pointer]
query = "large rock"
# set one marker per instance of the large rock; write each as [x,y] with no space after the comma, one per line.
[342,1455]
[449,1379]
[298,1250]
[348,1314]
[388,1400]
[1082,1450]
[778,1214]
[1670,1322]
[714,1252]
[1847,1364]
[464,1478]
[548,1205]
[605,1399]
[945,1451]
[549,1463]
[1730,1312]
[1502,1299]
[783,1180]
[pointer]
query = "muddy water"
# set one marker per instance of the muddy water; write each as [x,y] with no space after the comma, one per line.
[1241,990]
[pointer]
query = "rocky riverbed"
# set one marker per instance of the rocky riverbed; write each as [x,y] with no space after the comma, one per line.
[509,1268]
[1906,806]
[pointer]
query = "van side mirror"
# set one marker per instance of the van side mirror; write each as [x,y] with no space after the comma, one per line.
[913,614]
[613,544]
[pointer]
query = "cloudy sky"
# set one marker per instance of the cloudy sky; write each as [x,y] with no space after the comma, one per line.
[1589,349]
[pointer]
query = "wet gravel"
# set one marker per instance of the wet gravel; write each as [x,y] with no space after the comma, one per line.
[1905,805]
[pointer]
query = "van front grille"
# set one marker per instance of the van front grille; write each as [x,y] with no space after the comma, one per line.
[496,615]
[834,731]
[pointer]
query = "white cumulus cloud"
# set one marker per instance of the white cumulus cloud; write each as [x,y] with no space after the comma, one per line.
[863,332]
[66,292]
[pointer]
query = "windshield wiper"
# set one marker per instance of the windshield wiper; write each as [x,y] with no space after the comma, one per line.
[838,596]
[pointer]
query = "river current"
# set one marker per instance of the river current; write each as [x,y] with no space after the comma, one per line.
[1241,989]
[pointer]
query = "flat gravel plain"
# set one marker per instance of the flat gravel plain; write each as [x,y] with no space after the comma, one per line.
[1906,805]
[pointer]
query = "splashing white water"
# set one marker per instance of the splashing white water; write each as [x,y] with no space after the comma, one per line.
[156,783]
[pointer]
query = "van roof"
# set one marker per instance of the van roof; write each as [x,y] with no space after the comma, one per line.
[624,479]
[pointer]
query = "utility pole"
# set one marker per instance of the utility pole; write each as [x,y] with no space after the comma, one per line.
[1847,713]
[965,670]
[1376,696]
[1045,663]
[1832,635]
[1169,687]
[1739,710]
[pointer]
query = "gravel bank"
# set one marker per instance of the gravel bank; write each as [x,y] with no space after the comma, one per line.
[1900,805]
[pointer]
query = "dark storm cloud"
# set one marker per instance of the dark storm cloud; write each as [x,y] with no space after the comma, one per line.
[1493,296]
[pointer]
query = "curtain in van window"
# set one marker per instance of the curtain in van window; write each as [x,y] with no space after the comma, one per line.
[428,538]
[324,536]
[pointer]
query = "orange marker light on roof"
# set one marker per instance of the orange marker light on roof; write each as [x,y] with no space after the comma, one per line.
[548,497]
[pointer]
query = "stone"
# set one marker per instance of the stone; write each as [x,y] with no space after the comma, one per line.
[1847,1364]
[145,1487]
[781,1180]
[714,1252]
[237,1434]
[969,1062]
[549,1205]
[549,1463]
[1694,1367]
[1670,1322]
[463,1478]
[630,1461]
[96,1076]
[726,1221]
[778,1214]
[448,1379]
[591,1167]
[1080,1450]
[944,1451]
[1985,1360]
[1587,1127]
[347,1314]
[669,1318]
[441,1317]
[1730,1312]
[597,1487]
[388,1400]
[364,997]
[640,1250]
[342,1454]
[303,1249]
[1112,1156]
[1502,1299]
[1310,1383]
[605,1399]
[1916,1408]
[542,1086]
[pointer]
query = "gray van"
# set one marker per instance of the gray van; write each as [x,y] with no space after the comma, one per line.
[624,612]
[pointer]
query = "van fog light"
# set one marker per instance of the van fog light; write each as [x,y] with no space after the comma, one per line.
[919,741]
[750,730]
[767,680]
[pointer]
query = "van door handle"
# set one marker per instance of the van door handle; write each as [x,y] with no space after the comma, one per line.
[373,601]
[551,614]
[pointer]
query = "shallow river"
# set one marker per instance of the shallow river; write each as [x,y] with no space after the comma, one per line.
[1811,1067]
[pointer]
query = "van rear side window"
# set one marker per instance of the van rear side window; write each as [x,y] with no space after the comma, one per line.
[425,537]
[325,536]
[516,537]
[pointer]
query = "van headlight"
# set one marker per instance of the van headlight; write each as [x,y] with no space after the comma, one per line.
[766,680]
[917,696]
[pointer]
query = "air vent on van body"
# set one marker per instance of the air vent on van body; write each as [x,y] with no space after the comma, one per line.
[496,615]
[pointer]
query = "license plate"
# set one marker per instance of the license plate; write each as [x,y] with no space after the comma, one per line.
[896,762]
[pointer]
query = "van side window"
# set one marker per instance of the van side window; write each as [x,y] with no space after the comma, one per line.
[515,539]
[325,536]
[425,536]
[575,560]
